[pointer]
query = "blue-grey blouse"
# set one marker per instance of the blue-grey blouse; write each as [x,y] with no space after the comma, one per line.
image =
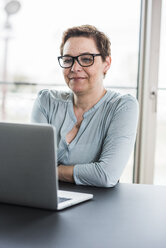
[105,140]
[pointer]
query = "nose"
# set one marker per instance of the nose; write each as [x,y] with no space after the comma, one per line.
[76,66]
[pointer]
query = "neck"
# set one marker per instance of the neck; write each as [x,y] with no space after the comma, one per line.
[87,101]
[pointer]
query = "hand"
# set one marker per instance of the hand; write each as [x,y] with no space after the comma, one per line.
[65,173]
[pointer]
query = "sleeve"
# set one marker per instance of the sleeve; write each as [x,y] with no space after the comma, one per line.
[40,108]
[117,147]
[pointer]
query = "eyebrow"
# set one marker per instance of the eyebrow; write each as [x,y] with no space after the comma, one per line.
[77,55]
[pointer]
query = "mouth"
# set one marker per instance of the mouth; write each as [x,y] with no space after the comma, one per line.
[77,78]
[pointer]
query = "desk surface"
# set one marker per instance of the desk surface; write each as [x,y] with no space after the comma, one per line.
[127,215]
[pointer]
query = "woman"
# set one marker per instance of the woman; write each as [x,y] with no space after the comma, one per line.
[95,128]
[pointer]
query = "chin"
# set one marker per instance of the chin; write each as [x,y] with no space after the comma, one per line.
[76,89]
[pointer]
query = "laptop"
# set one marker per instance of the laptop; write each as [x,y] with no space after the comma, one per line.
[28,168]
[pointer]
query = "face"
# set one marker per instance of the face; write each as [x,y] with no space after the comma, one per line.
[82,80]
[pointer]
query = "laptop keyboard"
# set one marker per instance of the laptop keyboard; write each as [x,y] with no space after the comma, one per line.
[62,199]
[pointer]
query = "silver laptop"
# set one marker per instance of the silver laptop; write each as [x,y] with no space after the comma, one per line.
[28,168]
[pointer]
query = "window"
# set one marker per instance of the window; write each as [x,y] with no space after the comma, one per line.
[160,162]
[33,47]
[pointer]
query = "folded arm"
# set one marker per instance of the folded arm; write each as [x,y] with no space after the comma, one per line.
[116,150]
[65,173]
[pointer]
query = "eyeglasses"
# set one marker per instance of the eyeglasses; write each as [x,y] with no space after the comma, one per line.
[85,60]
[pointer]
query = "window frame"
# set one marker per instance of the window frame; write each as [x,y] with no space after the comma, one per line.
[148,68]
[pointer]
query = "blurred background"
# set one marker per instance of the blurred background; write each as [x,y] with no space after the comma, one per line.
[30,37]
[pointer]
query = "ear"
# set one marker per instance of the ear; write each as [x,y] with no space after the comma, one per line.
[107,63]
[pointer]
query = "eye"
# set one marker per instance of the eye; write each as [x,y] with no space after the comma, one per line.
[67,60]
[86,59]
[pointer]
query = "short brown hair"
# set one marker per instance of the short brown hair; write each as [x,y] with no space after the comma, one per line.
[103,43]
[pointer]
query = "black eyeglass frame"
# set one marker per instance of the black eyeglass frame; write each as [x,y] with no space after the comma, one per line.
[76,58]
